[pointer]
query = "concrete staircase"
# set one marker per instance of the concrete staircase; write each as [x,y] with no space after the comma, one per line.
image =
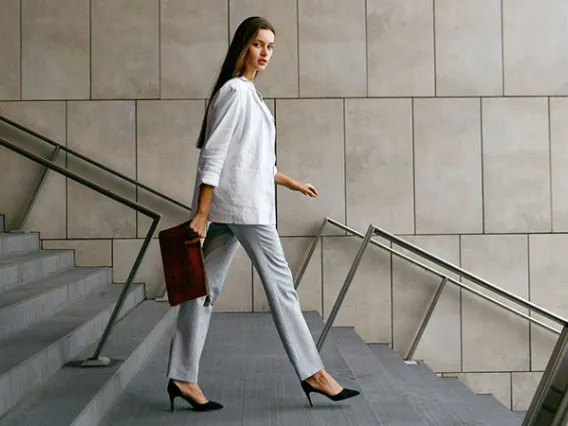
[52,313]
[244,367]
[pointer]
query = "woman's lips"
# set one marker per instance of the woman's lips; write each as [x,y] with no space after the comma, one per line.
[262,61]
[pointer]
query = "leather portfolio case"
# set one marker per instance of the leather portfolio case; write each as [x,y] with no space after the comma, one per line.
[184,268]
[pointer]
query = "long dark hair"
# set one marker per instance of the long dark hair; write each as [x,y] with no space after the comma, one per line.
[235,59]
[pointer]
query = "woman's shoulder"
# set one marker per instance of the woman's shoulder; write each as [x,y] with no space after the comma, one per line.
[234,89]
[236,84]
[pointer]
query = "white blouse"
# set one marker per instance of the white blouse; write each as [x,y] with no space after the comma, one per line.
[238,157]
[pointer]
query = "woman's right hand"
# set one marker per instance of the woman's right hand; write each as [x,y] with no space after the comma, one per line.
[198,224]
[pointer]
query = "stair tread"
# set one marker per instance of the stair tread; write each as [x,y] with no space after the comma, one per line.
[488,407]
[244,367]
[426,383]
[18,243]
[18,236]
[437,404]
[8,235]
[66,395]
[34,288]
[23,257]
[17,348]
[387,396]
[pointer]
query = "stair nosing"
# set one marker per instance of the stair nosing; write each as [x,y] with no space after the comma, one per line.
[98,398]
[40,292]
[46,349]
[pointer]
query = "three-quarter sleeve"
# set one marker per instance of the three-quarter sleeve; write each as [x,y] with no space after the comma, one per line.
[221,123]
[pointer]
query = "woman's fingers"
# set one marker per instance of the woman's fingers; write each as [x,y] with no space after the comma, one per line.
[311,190]
[198,226]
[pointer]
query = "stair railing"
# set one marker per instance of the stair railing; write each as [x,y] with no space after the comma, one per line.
[57,148]
[49,164]
[549,406]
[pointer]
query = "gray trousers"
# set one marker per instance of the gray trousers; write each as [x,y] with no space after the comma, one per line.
[262,245]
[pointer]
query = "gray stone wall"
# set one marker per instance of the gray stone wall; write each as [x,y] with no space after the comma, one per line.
[443,121]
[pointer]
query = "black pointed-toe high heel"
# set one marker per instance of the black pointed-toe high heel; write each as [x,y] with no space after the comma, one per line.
[344,394]
[174,391]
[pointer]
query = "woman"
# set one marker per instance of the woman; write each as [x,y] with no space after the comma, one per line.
[234,190]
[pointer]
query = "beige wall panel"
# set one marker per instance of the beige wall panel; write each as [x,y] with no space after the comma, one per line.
[20,176]
[413,290]
[379,164]
[548,283]
[167,132]
[447,149]
[370,290]
[281,76]
[497,384]
[468,47]
[193,41]
[10,50]
[400,47]
[87,252]
[55,49]
[332,48]
[125,52]
[494,339]
[559,163]
[310,289]
[310,148]
[523,388]
[150,272]
[516,165]
[535,47]
[105,132]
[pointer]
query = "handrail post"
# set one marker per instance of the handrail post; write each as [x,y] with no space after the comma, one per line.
[426,319]
[310,254]
[345,288]
[35,194]
[95,360]
[547,390]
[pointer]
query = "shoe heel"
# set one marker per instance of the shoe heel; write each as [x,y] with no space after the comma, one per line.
[309,399]
[307,389]
[172,409]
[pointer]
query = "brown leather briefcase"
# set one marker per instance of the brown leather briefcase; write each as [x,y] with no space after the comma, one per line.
[184,268]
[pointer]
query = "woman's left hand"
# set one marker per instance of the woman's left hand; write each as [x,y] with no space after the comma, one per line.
[306,189]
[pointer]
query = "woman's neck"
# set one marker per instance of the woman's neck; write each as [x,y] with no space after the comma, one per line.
[249,74]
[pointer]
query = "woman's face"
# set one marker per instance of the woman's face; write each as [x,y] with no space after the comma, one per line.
[260,51]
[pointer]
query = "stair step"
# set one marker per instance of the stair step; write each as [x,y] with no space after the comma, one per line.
[21,268]
[428,387]
[388,396]
[14,243]
[487,406]
[23,305]
[244,367]
[33,355]
[82,396]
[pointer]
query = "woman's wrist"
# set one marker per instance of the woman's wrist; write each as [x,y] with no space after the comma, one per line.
[293,184]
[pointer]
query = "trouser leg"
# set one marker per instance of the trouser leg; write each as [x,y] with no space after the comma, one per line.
[193,318]
[263,246]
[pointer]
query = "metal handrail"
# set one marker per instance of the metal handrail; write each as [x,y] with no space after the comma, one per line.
[91,161]
[549,405]
[96,359]
[445,278]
